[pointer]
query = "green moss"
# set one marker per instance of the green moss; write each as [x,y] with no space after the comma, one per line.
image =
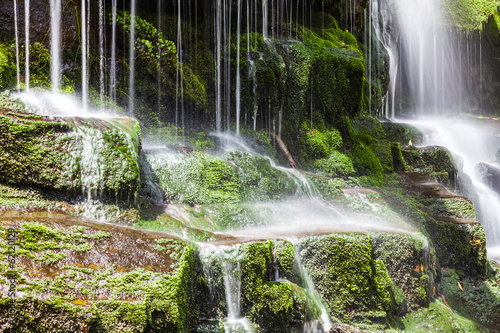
[438,318]
[408,259]
[196,178]
[259,179]
[476,299]
[366,163]
[336,165]
[284,254]
[353,285]
[470,15]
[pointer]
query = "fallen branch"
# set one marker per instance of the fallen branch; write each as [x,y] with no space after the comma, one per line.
[283,150]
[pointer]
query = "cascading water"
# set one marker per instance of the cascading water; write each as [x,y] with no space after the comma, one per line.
[436,77]
[55,41]
[27,44]
[84,57]
[112,81]
[131,77]
[18,86]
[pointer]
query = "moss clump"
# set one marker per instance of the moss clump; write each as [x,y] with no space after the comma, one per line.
[70,156]
[284,254]
[336,165]
[196,178]
[469,15]
[439,318]
[7,67]
[476,299]
[354,286]
[259,179]
[367,164]
[409,263]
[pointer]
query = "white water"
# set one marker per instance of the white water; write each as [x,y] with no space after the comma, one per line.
[27,44]
[131,86]
[112,81]
[55,44]
[472,143]
[436,83]
[324,317]
[101,51]
[84,57]
[18,86]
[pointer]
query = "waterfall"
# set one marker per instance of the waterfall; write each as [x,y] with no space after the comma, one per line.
[101,51]
[309,286]
[84,57]
[131,86]
[112,81]
[18,86]
[55,44]
[436,77]
[27,44]
[228,258]
[218,30]
[179,90]
[238,77]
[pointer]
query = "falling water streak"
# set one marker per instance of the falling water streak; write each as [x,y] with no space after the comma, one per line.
[180,65]
[18,86]
[101,51]
[227,48]
[264,19]
[27,44]
[131,86]
[159,56]
[218,66]
[325,318]
[84,57]
[238,78]
[481,69]
[55,48]
[112,82]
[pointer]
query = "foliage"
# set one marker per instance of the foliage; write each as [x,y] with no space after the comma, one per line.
[150,44]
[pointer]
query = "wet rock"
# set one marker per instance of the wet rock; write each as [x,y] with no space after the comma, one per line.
[344,328]
[69,154]
[490,174]
[497,155]
[40,22]
[96,277]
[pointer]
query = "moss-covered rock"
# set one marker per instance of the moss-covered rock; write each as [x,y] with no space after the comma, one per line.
[412,266]
[70,155]
[354,286]
[96,277]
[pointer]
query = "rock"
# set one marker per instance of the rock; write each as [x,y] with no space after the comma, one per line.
[344,328]
[40,22]
[71,155]
[490,174]
[96,277]
[497,155]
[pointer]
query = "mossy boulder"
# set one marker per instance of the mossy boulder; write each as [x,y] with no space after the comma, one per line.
[95,277]
[412,266]
[478,299]
[72,155]
[354,286]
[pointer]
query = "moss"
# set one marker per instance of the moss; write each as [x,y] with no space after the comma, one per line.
[470,15]
[398,160]
[111,299]
[336,165]
[437,318]
[7,67]
[259,179]
[284,254]
[63,156]
[196,178]
[440,161]
[366,163]
[413,159]
[353,285]
[408,259]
